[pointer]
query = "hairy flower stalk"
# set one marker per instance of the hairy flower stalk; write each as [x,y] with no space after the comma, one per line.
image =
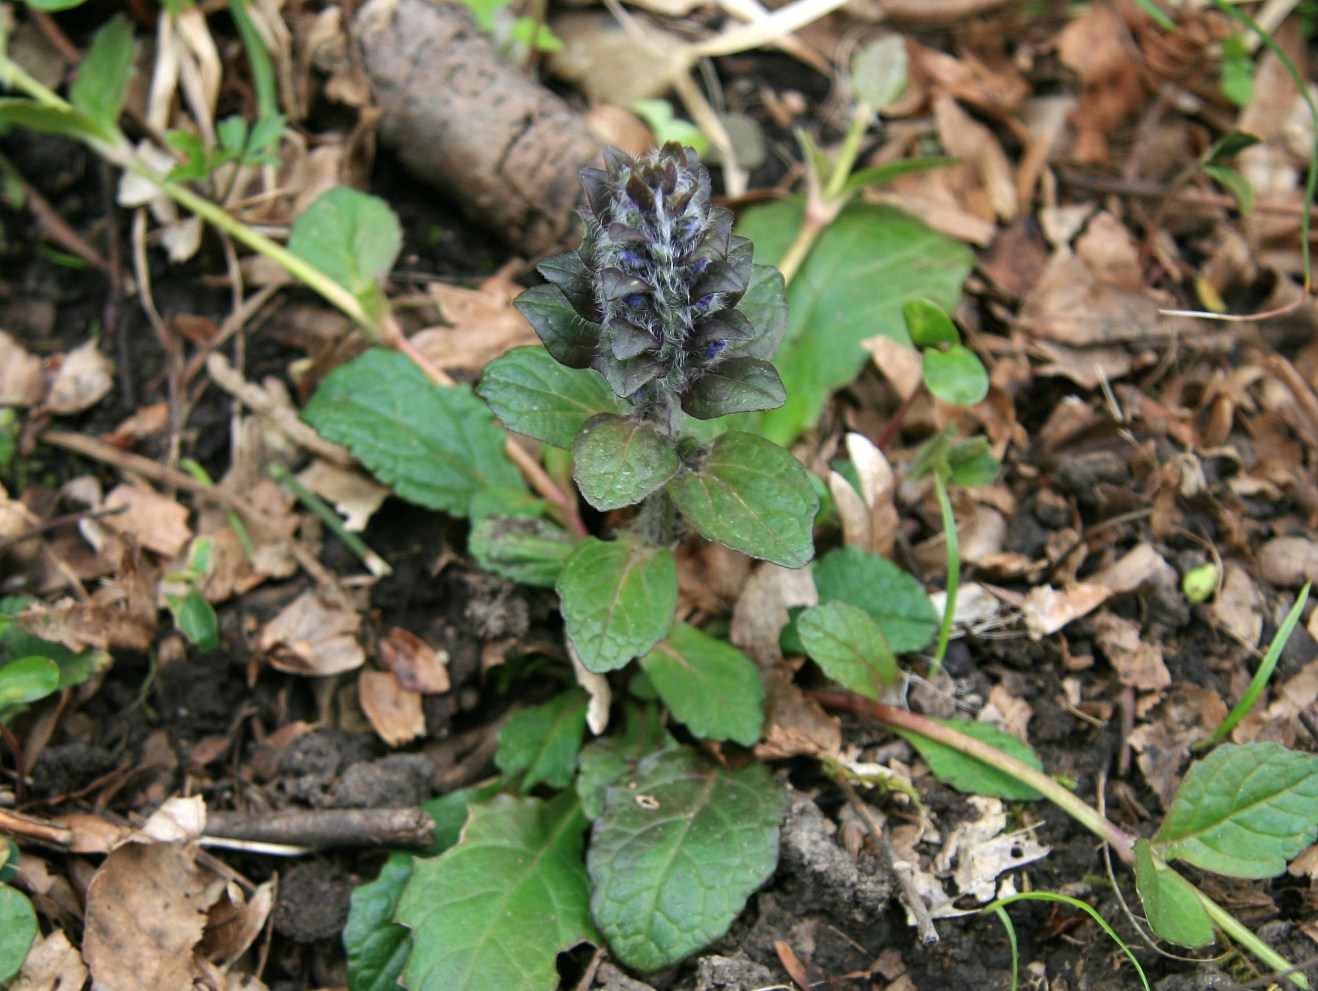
[650,299]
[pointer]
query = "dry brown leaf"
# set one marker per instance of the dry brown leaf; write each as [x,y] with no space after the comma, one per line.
[155,521]
[52,964]
[146,905]
[481,324]
[310,638]
[983,179]
[899,363]
[355,495]
[82,379]
[1007,711]
[1186,715]
[1047,610]
[21,380]
[417,666]
[394,711]
[1138,568]
[235,921]
[1138,662]
[1238,607]
[1095,45]
[145,422]
[1288,562]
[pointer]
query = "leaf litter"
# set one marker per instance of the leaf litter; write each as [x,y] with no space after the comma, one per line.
[1139,444]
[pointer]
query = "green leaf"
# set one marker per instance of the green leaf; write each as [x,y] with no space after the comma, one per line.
[972,463]
[956,375]
[890,595]
[52,6]
[450,812]
[765,306]
[101,87]
[534,395]
[881,175]
[16,641]
[709,685]
[435,446]
[18,928]
[48,120]
[1170,902]
[1243,810]
[878,71]
[752,495]
[196,620]
[972,776]
[928,324]
[377,946]
[529,551]
[496,910]
[26,680]
[606,761]
[1240,188]
[569,337]
[1237,70]
[351,237]
[619,461]
[666,126]
[542,742]
[850,646]
[618,600]
[863,269]
[738,385]
[681,845]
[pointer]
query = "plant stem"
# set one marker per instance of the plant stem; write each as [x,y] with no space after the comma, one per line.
[1121,841]
[953,545]
[1241,933]
[374,563]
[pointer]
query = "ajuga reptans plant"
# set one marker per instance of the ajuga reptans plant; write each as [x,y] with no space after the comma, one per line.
[664,302]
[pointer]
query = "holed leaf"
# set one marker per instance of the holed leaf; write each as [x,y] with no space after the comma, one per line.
[970,775]
[535,395]
[1170,903]
[752,495]
[378,947]
[850,646]
[709,685]
[435,446]
[606,760]
[680,846]
[618,600]
[896,600]
[496,910]
[618,462]
[1243,810]
[541,742]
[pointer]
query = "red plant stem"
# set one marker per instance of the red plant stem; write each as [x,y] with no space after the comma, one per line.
[1121,841]
[895,421]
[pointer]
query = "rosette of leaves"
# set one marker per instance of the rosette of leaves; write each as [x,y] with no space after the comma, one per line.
[650,299]
[660,315]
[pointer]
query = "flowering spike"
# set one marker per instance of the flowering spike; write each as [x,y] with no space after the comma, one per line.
[655,285]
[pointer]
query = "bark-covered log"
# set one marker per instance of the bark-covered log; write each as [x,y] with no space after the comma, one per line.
[503,148]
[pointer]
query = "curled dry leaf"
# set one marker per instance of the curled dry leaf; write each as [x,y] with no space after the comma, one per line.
[1047,609]
[1238,608]
[417,666]
[155,521]
[21,380]
[1186,715]
[394,711]
[355,495]
[82,379]
[310,638]
[1288,561]
[481,323]
[235,921]
[1138,662]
